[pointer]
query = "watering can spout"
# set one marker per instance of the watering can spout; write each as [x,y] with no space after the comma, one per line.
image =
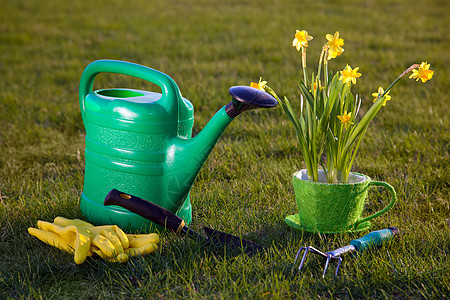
[187,156]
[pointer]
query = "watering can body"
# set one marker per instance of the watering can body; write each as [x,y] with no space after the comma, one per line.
[139,142]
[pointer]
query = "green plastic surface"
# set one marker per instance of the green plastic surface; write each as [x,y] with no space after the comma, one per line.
[140,142]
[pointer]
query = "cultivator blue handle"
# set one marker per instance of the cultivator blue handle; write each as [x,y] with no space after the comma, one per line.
[374,239]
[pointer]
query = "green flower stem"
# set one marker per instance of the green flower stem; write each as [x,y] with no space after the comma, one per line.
[301,136]
[305,71]
[398,78]
[355,150]
[319,68]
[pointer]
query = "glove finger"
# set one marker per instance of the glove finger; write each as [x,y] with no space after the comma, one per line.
[122,236]
[113,239]
[94,249]
[122,257]
[69,234]
[105,246]
[141,251]
[82,247]
[115,231]
[139,240]
[63,222]
[52,239]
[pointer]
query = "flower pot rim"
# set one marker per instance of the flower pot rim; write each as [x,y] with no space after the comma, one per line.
[354,178]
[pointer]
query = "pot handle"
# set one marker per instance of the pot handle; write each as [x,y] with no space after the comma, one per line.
[171,94]
[387,208]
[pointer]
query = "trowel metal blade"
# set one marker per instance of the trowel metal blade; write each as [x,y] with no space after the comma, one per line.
[224,239]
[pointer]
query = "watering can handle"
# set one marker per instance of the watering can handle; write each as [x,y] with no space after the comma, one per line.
[382,211]
[169,89]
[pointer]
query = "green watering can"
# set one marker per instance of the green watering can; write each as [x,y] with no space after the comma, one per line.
[141,143]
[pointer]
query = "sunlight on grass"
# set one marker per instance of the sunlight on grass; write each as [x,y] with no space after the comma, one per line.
[245,185]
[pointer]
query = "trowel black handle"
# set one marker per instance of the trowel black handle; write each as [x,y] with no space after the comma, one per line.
[246,98]
[155,213]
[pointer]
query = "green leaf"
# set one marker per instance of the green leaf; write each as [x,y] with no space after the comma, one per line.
[306,93]
[364,123]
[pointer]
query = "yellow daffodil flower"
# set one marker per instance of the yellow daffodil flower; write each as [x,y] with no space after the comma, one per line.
[380,92]
[349,74]
[334,40]
[334,45]
[301,39]
[423,73]
[345,119]
[260,85]
[333,53]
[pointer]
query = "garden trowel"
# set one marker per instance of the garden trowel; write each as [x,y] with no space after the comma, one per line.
[169,220]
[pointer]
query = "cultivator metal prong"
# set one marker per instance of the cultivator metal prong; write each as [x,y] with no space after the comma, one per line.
[307,250]
[330,257]
[326,265]
[339,264]
[296,257]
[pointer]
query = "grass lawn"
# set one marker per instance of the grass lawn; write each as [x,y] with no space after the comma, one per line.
[245,185]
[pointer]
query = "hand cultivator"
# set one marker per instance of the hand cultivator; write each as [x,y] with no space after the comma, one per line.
[372,239]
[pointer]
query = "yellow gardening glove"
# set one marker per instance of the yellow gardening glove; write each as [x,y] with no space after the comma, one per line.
[83,239]
[142,244]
